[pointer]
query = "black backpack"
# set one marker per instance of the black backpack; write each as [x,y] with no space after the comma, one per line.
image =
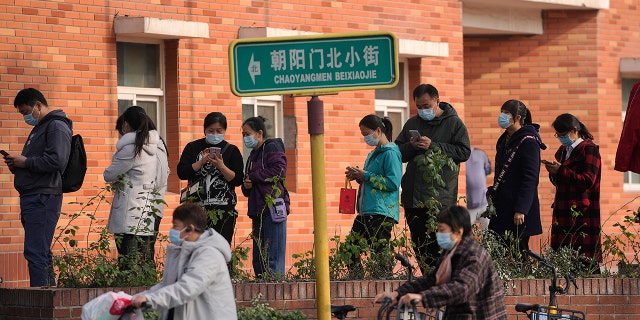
[73,174]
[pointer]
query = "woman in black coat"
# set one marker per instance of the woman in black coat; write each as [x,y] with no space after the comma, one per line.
[516,196]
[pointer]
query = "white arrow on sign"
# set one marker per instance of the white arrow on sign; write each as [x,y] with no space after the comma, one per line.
[254,69]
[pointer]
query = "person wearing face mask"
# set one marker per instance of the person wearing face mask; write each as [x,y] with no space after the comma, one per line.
[437,124]
[138,175]
[517,174]
[218,174]
[195,282]
[268,197]
[379,179]
[161,178]
[37,174]
[465,281]
[575,172]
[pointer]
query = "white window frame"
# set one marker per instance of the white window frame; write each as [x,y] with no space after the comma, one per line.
[274,101]
[402,106]
[628,186]
[156,95]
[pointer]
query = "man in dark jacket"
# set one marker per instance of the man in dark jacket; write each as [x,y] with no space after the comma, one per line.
[438,125]
[38,179]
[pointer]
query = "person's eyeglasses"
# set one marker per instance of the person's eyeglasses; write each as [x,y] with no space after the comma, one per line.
[423,106]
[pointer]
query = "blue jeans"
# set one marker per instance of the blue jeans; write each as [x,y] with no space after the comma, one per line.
[269,245]
[39,214]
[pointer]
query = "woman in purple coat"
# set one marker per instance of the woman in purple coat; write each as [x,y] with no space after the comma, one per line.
[268,207]
[517,174]
[576,174]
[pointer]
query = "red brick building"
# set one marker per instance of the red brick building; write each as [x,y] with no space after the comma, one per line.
[95,58]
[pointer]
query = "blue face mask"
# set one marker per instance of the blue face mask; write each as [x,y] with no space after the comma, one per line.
[426,114]
[565,140]
[370,140]
[250,142]
[30,119]
[444,240]
[504,120]
[214,138]
[174,236]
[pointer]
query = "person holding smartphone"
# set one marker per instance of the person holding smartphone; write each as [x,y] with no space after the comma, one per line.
[216,165]
[37,174]
[436,125]
[379,179]
[575,172]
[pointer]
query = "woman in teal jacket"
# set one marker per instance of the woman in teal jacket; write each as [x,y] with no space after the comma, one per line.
[378,205]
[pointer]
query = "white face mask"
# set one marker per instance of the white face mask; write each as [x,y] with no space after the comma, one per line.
[174,236]
[250,142]
[214,138]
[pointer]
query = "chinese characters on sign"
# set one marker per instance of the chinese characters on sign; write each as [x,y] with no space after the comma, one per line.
[320,64]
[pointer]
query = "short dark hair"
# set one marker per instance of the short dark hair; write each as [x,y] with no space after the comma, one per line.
[456,217]
[420,90]
[191,213]
[29,96]
[256,124]
[215,117]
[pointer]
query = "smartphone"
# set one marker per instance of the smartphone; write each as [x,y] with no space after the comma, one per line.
[414,133]
[214,150]
[4,153]
[546,162]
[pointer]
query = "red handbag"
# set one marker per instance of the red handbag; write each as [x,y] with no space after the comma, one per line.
[347,198]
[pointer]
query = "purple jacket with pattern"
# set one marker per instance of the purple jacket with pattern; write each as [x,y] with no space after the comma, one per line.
[264,164]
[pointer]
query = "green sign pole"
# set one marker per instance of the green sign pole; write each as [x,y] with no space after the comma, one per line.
[313,65]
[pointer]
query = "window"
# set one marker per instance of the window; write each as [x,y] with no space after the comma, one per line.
[394,102]
[631,179]
[140,79]
[269,107]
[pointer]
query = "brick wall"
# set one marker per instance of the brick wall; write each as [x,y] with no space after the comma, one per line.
[600,299]
[67,50]
[572,68]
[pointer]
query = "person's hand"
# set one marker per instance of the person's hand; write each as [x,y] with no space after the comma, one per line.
[246,183]
[216,160]
[422,142]
[17,161]
[354,173]
[518,218]
[138,300]
[552,167]
[407,298]
[393,295]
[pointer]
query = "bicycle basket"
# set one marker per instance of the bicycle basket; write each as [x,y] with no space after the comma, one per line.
[543,314]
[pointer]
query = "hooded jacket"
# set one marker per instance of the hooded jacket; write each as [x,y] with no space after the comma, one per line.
[449,133]
[518,192]
[196,281]
[264,164]
[381,185]
[138,186]
[47,151]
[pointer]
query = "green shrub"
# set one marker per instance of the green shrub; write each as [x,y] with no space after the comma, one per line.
[94,265]
[262,311]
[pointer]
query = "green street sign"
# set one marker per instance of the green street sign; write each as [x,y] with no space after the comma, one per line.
[313,65]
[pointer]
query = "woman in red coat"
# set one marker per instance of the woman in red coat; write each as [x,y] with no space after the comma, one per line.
[576,174]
